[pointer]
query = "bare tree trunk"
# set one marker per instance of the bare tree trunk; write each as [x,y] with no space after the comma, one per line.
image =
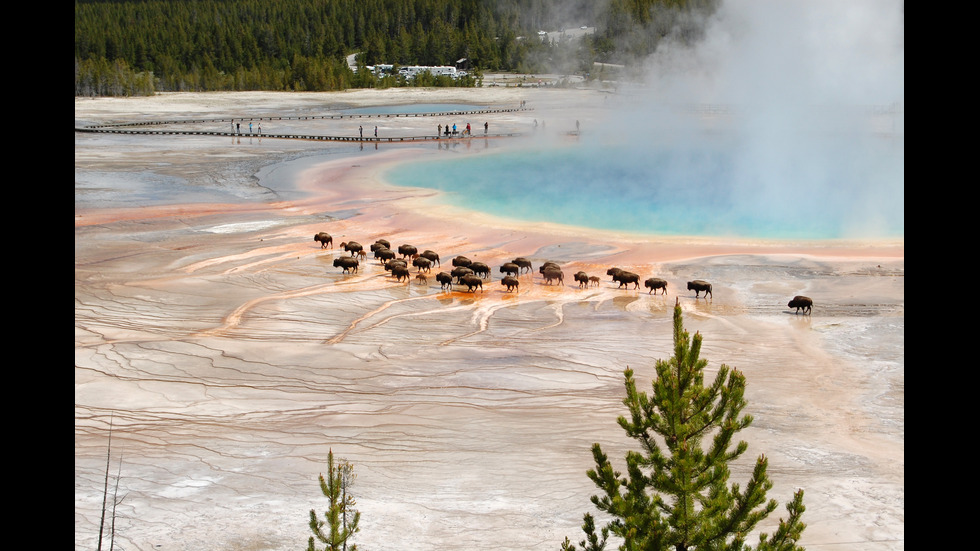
[115,501]
[105,490]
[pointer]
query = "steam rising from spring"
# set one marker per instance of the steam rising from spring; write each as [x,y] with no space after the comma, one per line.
[803,102]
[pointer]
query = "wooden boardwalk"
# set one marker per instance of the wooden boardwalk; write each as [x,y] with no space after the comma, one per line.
[134,127]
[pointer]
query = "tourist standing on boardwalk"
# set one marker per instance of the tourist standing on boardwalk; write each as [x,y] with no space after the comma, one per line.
[260,128]
[361,130]
[439,130]
[238,128]
[486,127]
[375,131]
[468,130]
[249,128]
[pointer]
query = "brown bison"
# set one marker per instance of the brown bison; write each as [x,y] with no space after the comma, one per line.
[353,247]
[625,278]
[384,254]
[422,263]
[510,268]
[407,250]
[323,238]
[461,261]
[655,283]
[399,272]
[523,263]
[431,255]
[510,282]
[348,263]
[552,274]
[445,280]
[594,281]
[801,302]
[480,269]
[472,281]
[699,285]
[613,271]
[582,278]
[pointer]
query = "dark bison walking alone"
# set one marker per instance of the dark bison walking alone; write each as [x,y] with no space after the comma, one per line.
[699,285]
[801,302]
[655,283]
[323,238]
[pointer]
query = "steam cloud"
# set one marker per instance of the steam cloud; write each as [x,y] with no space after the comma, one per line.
[805,99]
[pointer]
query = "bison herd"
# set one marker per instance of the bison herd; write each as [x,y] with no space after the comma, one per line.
[471,274]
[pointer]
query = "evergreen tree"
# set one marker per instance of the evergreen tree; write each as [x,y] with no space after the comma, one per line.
[676,494]
[340,519]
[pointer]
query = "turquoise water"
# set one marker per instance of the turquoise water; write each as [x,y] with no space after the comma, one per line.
[714,189]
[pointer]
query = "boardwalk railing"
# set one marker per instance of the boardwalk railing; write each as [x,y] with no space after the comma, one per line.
[126,127]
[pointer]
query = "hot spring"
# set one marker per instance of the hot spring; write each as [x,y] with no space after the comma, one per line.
[827,190]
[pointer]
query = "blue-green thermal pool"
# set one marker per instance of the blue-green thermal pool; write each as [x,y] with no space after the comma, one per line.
[709,190]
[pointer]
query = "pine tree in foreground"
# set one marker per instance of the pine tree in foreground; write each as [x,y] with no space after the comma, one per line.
[340,519]
[675,495]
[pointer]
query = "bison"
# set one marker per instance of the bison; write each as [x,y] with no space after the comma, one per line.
[349,264]
[510,268]
[353,247]
[699,285]
[461,261]
[323,238]
[625,278]
[480,269]
[801,302]
[613,271]
[510,282]
[384,254]
[445,280]
[422,263]
[594,281]
[400,272]
[523,263]
[407,250]
[431,255]
[655,283]
[472,281]
[582,278]
[552,274]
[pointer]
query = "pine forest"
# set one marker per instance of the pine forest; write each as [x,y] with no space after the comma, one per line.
[139,47]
